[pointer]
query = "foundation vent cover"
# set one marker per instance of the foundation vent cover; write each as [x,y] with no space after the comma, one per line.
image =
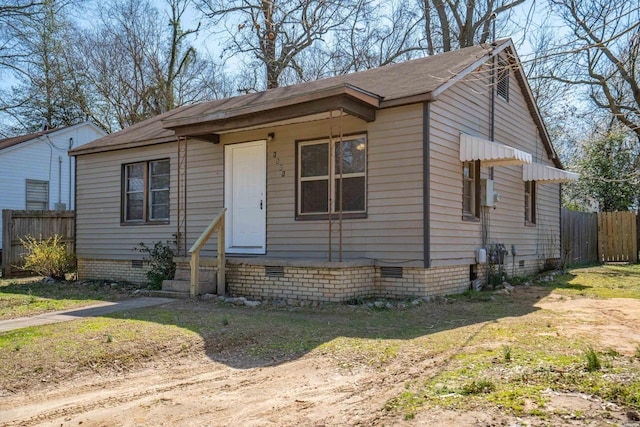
[391,272]
[136,263]
[270,271]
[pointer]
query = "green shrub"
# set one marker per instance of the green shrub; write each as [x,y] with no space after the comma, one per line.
[47,257]
[159,258]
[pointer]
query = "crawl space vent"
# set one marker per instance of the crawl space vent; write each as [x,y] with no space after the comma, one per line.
[136,263]
[391,272]
[274,271]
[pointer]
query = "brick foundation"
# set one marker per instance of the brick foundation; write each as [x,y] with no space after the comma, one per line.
[115,270]
[420,282]
[337,282]
[314,281]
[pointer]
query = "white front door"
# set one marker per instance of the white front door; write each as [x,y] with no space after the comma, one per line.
[245,193]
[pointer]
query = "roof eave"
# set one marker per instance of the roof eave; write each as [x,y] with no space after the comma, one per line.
[351,100]
[361,102]
[125,145]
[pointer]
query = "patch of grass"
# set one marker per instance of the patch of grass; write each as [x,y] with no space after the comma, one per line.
[481,386]
[506,353]
[606,281]
[547,362]
[409,402]
[28,297]
[58,351]
[592,359]
[612,352]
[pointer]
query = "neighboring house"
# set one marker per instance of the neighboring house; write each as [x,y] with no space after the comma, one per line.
[424,185]
[36,170]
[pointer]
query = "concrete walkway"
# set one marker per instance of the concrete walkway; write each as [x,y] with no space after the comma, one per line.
[76,313]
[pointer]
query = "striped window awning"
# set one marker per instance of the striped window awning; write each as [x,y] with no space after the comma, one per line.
[546,174]
[491,153]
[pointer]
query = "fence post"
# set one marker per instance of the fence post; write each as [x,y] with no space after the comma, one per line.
[6,242]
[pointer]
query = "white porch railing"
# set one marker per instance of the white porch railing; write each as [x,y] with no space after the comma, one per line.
[216,225]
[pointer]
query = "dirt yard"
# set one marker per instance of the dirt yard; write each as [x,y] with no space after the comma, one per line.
[316,389]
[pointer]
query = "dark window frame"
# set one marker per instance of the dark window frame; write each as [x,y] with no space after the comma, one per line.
[530,203]
[146,199]
[475,196]
[332,177]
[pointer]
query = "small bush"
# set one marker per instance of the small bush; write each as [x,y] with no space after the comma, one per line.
[159,258]
[592,359]
[48,257]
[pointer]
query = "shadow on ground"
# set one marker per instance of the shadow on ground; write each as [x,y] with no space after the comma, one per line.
[243,337]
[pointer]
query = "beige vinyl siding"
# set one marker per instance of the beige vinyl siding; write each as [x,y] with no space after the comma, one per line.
[462,108]
[392,231]
[465,108]
[99,232]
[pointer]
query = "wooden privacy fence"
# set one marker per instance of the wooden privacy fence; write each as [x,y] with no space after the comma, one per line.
[579,237]
[17,225]
[617,237]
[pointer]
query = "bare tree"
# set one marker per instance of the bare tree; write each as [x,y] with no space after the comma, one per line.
[454,24]
[600,55]
[36,35]
[14,14]
[137,66]
[275,32]
[377,35]
[179,58]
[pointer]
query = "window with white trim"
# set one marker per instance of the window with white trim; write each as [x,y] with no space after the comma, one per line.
[146,191]
[319,173]
[37,193]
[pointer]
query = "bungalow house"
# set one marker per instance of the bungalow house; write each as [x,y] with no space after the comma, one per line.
[398,181]
[36,171]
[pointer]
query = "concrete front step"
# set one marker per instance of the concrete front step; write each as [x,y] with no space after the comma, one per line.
[206,275]
[206,287]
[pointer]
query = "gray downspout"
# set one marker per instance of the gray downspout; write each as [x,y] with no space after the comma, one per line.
[426,183]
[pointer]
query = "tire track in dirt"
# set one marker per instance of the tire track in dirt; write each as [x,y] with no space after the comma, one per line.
[108,394]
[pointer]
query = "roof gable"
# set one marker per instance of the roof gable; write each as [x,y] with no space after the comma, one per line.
[16,140]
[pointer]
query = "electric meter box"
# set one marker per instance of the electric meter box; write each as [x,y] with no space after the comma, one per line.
[481,256]
[487,196]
